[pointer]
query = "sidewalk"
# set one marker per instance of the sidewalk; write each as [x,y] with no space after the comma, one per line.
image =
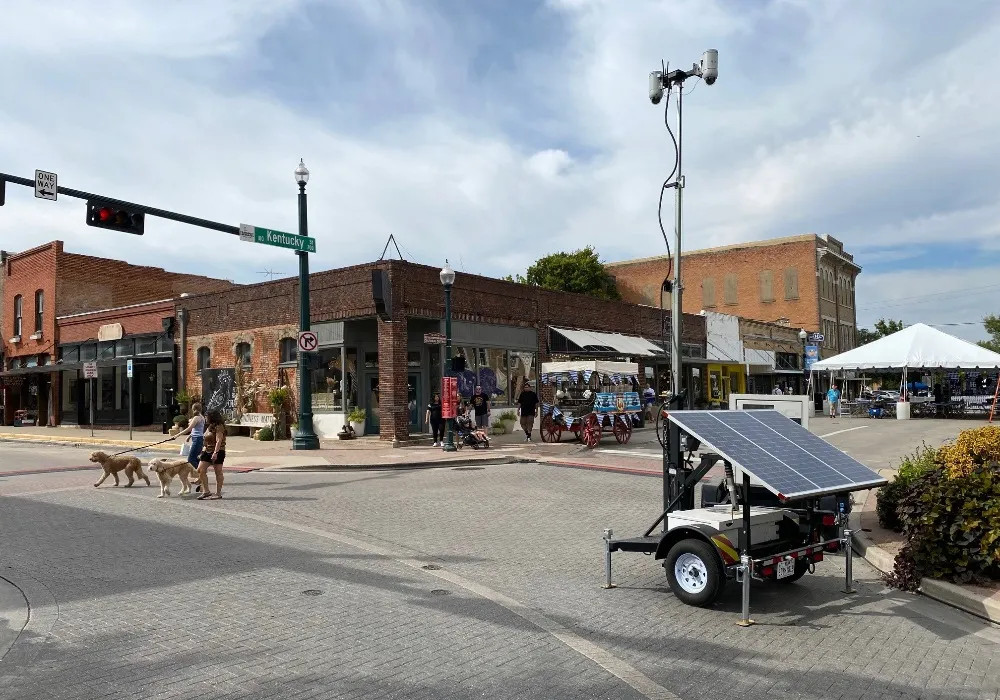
[245,453]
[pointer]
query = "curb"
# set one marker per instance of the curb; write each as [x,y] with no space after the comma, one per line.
[405,466]
[78,443]
[941,591]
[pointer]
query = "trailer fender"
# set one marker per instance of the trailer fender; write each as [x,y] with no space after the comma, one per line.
[728,554]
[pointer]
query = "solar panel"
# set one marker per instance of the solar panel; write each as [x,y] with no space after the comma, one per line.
[781,454]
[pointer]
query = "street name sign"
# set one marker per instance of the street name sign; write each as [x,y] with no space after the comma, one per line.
[46,185]
[90,370]
[256,234]
[816,337]
[434,339]
[308,341]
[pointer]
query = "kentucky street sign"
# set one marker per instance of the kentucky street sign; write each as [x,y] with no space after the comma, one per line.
[256,234]
[308,341]
[46,185]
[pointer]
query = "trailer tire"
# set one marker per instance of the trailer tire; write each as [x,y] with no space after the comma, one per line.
[694,572]
[801,567]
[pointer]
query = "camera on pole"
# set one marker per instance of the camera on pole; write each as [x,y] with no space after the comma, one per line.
[115,217]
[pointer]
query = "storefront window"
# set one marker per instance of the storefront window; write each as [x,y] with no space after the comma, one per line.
[70,354]
[106,386]
[164,344]
[371,360]
[106,351]
[413,359]
[145,346]
[493,375]
[522,366]
[125,347]
[327,382]
[88,353]
[351,384]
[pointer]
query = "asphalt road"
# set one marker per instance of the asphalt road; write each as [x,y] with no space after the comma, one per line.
[16,457]
[441,583]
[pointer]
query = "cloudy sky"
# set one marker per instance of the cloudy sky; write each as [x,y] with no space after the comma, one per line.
[497,132]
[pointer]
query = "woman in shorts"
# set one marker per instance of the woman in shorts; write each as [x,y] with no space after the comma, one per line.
[213,455]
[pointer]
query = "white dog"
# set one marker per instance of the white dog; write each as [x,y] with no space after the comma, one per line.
[166,469]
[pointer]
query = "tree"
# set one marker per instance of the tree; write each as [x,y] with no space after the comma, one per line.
[992,325]
[882,329]
[580,271]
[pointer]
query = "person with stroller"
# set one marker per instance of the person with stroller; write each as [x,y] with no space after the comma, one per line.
[468,432]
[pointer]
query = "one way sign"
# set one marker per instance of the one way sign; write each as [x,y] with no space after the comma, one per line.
[46,185]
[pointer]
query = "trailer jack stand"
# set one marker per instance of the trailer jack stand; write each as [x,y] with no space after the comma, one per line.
[607,558]
[743,576]
[848,563]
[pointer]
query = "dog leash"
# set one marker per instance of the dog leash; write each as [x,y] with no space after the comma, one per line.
[135,449]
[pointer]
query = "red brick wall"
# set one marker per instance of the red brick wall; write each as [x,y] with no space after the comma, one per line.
[135,321]
[26,273]
[87,283]
[639,281]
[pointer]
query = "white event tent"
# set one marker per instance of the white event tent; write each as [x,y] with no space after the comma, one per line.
[915,347]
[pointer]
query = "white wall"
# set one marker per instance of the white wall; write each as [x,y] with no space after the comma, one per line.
[724,342]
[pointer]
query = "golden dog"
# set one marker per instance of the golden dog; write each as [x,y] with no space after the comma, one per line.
[167,469]
[114,464]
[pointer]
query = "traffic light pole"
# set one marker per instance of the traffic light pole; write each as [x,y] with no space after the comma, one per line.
[149,211]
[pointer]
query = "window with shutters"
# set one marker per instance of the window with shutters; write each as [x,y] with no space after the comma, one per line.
[791,283]
[766,285]
[708,292]
[731,289]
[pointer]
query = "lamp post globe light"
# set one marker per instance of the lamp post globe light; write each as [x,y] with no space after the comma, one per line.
[447,280]
[305,437]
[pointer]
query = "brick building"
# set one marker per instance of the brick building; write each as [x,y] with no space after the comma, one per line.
[503,329]
[801,281]
[62,309]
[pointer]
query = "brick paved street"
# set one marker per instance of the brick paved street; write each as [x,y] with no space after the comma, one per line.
[134,597]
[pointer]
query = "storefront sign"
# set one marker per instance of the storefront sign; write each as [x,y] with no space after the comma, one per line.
[434,339]
[110,331]
[812,355]
[449,397]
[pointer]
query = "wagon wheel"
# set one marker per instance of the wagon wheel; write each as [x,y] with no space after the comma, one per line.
[622,429]
[591,431]
[550,430]
[662,425]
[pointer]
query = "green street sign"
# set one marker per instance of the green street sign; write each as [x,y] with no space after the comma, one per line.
[255,234]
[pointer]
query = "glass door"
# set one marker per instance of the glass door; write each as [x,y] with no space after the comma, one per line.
[371,404]
[413,402]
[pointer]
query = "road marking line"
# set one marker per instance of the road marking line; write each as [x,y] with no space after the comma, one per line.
[635,453]
[603,658]
[845,430]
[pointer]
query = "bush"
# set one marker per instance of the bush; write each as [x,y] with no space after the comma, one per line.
[357,415]
[952,523]
[508,415]
[265,434]
[972,448]
[279,398]
[889,497]
[181,421]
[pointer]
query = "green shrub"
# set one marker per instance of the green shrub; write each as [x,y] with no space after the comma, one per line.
[182,396]
[952,523]
[892,494]
[508,415]
[265,434]
[498,428]
[279,398]
[357,415]
[181,421]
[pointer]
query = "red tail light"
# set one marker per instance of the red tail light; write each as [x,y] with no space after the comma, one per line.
[767,571]
[829,520]
[818,556]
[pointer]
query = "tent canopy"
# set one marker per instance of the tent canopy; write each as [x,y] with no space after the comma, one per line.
[917,347]
[601,366]
[594,341]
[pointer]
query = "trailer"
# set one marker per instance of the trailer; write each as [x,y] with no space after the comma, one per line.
[591,396]
[779,507]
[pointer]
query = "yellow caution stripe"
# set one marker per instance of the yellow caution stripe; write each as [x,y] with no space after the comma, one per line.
[726,549]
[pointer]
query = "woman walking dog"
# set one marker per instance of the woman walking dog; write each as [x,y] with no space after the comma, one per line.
[196,435]
[213,455]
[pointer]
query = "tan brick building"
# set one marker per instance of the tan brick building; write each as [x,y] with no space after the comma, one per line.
[803,281]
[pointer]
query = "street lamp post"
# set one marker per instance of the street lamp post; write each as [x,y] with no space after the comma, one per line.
[305,437]
[805,361]
[448,279]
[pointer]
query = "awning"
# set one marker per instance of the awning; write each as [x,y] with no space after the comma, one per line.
[597,342]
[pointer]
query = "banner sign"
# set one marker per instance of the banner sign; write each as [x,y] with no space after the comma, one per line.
[812,356]
[449,397]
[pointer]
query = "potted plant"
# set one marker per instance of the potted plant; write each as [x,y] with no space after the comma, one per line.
[357,418]
[508,419]
[183,398]
[279,398]
[180,422]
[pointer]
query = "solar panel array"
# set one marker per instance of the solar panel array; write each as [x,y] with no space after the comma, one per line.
[780,453]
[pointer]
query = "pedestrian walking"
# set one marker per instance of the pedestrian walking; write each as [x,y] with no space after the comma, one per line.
[434,419]
[833,397]
[481,407]
[527,407]
[213,455]
[196,436]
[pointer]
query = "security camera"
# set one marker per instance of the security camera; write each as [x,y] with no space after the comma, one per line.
[710,66]
[655,87]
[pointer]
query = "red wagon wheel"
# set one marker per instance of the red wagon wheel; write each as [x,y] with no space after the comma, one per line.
[550,430]
[622,429]
[591,431]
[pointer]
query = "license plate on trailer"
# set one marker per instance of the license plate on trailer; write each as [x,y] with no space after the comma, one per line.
[785,568]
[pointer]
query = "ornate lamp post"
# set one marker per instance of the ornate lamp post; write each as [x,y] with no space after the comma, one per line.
[448,279]
[305,437]
[805,372]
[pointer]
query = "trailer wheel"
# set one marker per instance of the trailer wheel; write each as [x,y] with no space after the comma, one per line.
[801,567]
[694,572]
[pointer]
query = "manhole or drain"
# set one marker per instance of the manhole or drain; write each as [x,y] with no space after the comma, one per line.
[439,591]
[312,591]
[431,567]
[468,469]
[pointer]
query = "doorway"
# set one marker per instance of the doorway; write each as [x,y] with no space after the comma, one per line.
[372,424]
[413,401]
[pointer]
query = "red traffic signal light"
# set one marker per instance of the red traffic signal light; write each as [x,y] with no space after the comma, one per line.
[114,217]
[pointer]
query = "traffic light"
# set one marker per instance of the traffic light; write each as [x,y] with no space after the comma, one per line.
[114,217]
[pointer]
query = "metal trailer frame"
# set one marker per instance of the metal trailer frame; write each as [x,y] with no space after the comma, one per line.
[680,479]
